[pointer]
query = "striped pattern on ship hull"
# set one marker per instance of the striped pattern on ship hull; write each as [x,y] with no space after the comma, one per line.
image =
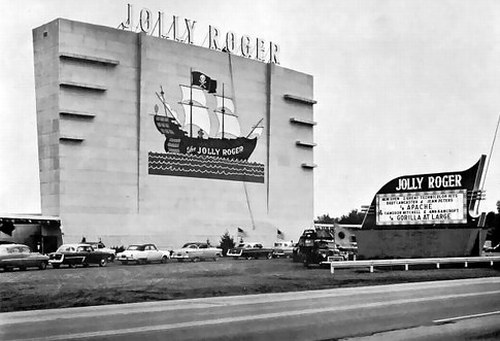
[173,145]
[196,166]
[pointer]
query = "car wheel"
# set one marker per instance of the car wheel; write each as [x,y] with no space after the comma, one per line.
[55,266]
[42,266]
[269,256]
[103,262]
[164,259]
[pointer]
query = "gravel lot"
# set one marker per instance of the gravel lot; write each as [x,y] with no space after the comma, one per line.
[116,283]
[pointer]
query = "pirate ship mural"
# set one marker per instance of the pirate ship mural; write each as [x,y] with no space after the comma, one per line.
[205,142]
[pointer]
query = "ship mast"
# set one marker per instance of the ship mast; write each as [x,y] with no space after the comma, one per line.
[191,104]
[223,110]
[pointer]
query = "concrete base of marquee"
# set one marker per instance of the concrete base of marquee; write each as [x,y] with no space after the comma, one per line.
[420,243]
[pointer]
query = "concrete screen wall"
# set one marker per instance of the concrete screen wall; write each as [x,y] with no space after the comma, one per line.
[96,91]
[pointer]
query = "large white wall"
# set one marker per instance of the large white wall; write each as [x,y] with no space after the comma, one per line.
[104,189]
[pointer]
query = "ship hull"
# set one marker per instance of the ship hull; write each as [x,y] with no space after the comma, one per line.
[177,141]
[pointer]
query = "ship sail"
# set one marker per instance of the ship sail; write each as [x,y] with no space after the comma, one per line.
[199,118]
[231,127]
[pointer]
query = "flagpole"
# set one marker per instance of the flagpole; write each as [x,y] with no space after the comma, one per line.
[191,103]
[491,152]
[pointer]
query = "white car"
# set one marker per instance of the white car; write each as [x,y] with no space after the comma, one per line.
[196,252]
[283,249]
[142,254]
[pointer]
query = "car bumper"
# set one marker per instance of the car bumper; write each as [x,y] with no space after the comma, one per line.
[126,259]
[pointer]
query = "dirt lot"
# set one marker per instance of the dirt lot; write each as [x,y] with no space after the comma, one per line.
[116,283]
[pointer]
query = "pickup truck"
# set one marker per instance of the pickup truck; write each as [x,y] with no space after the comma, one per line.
[250,251]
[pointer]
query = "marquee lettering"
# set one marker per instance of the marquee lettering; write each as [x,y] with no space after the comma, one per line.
[155,25]
[433,182]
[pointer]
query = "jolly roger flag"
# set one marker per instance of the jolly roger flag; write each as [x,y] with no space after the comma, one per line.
[203,81]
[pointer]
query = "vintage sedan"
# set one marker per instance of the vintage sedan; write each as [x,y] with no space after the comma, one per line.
[20,256]
[99,246]
[196,251]
[283,249]
[250,251]
[142,254]
[77,254]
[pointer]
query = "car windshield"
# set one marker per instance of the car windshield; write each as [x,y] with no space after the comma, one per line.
[327,244]
[136,248]
[66,248]
[18,249]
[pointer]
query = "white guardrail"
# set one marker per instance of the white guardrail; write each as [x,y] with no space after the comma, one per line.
[409,261]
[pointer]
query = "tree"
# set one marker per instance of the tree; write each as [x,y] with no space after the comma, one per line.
[354,217]
[493,225]
[226,243]
[325,219]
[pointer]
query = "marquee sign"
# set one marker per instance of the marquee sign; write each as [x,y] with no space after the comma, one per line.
[184,31]
[440,207]
[427,200]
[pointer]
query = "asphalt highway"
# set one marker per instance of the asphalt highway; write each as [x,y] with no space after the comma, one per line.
[439,310]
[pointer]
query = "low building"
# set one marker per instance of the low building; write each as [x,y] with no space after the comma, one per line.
[40,233]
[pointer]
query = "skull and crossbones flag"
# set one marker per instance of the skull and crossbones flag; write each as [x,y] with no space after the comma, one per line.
[203,81]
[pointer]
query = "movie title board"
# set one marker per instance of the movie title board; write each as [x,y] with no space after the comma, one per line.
[419,208]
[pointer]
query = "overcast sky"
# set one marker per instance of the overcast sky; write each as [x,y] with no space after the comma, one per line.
[403,87]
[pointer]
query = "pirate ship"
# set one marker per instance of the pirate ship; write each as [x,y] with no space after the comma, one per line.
[193,133]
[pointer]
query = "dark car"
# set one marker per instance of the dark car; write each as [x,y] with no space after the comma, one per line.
[99,246]
[250,251]
[20,256]
[78,254]
[316,247]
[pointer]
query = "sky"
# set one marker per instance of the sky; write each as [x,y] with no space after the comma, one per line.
[403,87]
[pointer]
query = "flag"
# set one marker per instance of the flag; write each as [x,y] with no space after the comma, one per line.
[241,233]
[203,81]
[280,235]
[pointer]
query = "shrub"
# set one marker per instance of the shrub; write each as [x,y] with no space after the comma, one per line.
[226,243]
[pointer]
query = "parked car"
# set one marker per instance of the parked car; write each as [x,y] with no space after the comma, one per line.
[488,247]
[142,254]
[20,256]
[317,247]
[77,254]
[99,246]
[283,249]
[250,251]
[196,251]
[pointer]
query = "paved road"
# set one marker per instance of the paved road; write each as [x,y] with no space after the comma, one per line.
[428,310]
